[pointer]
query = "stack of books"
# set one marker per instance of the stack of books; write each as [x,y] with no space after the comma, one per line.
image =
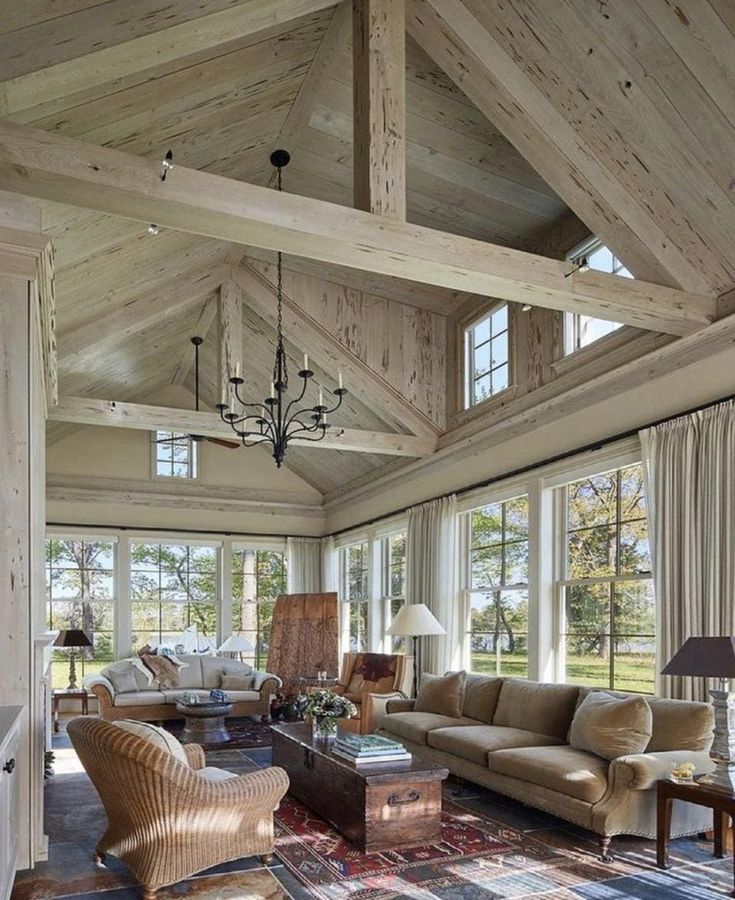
[369,749]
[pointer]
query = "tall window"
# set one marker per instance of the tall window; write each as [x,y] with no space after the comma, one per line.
[394,582]
[486,356]
[609,609]
[580,330]
[80,592]
[174,455]
[258,577]
[354,578]
[499,588]
[173,586]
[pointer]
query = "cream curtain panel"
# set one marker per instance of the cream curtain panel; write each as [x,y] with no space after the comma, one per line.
[431,578]
[690,484]
[304,565]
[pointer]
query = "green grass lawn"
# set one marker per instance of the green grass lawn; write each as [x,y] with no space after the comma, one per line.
[633,672]
[60,670]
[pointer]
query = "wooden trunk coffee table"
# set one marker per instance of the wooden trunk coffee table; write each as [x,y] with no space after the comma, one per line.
[204,723]
[377,807]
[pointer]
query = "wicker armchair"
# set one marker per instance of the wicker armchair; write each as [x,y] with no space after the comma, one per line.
[164,819]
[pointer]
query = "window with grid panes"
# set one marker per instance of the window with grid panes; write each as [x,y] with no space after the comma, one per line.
[580,330]
[80,594]
[172,586]
[499,588]
[609,606]
[175,455]
[394,574]
[486,356]
[258,577]
[354,575]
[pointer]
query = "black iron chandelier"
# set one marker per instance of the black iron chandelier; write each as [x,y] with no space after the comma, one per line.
[276,420]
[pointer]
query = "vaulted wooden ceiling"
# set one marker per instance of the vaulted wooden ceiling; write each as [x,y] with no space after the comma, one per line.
[522,119]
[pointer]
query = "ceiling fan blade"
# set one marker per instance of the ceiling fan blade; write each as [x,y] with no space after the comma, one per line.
[166,440]
[233,445]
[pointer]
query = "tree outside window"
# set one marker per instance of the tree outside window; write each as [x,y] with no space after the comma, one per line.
[175,455]
[394,576]
[258,577]
[354,577]
[499,588]
[80,591]
[172,587]
[609,607]
[486,356]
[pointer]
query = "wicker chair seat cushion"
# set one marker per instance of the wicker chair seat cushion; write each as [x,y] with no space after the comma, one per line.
[139,698]
[158,736]
[210,773]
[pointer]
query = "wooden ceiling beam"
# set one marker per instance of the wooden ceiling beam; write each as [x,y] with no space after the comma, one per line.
[496,82]
[141,312]
[88,411]
[331,355]
[48,166]
[109,64]
[379,103]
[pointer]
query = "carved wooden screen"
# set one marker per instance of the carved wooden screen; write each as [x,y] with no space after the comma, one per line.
[304,638]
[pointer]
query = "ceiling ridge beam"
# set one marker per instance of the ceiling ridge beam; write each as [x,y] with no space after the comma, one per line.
[143,311]
[362,381]
[109,64]
[496,83]
[48,166]
[141,417]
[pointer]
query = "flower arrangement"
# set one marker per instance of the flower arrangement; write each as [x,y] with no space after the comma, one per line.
[325,707]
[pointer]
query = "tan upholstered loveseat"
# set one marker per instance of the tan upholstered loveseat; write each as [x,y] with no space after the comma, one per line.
[199,673]
[512,738]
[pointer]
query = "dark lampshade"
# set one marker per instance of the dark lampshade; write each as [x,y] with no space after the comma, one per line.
[708,657]
[73,637]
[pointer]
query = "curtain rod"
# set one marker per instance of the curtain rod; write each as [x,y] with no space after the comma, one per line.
[79,526]
[550,460]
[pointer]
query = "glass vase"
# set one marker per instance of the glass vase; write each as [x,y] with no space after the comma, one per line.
[324,728]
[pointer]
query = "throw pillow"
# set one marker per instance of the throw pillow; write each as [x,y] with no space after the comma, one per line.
[163,670]
[159,737]
[610,727]
[236,682]
[441,694]
[126,677]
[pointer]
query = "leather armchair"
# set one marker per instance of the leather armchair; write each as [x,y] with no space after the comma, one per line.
[370,680]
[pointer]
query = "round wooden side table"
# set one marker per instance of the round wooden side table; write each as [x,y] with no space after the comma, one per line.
[204,723]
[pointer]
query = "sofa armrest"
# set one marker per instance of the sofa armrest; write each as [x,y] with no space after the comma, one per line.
[195,755]
[261,679]
[374,708]
[90,682]
[395,705]
[641,771]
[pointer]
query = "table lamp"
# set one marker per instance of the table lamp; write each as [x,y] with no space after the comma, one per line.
[713,657]
[236,643]
[72,637]
[415,620]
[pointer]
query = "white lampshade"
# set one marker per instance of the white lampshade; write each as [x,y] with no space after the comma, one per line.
[236,643]
[415,619]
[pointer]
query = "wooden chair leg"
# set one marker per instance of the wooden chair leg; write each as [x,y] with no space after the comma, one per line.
[266,858]
[149,893]
[604,843]
[99,858]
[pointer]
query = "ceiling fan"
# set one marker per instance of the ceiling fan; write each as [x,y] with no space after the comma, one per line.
[199,438]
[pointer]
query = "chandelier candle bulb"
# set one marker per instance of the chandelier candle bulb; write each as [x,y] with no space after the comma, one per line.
[273,391]
[339,380]
[237,370]
[306,362]
[321,397]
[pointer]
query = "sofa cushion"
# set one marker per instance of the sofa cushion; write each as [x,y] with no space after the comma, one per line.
[565,769]
[680,725]
[474,743]
[534,706]
[414,726]
[236,682]
[128,675]
[238,696]
[173,695]
[611,726]
[139,698]
[481,694]
[159,737]
[441,694]
[214,667]
[190,677]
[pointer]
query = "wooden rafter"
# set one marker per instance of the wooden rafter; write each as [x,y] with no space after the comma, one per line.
[43,165]
[88,411]
[109,64]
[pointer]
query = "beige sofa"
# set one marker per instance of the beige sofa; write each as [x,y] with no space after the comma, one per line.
[198,673]
[512,738]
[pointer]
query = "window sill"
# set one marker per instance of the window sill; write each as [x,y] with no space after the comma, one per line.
[613,341]
[497,401]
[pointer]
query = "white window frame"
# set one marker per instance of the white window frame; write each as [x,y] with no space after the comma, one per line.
[192,462]
[468,356]
[344,598]
[573,321]
[225,628]
[386,597]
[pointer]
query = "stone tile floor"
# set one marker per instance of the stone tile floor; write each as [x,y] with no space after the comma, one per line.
[73,819]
